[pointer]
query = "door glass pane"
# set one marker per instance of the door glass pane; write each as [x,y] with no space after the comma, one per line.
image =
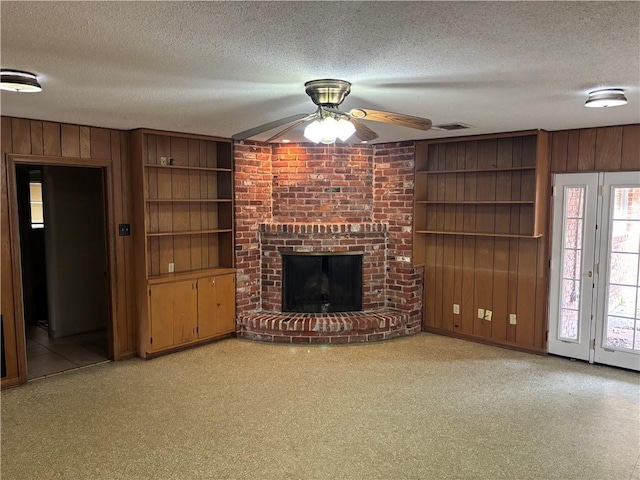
[623,312]
[568,326]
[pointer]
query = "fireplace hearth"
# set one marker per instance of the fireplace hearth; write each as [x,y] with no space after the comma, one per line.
[321,282]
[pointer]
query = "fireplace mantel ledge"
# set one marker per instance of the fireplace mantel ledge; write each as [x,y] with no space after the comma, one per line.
[307,228]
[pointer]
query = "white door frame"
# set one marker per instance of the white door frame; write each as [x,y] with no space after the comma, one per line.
[579,347]
[603,353]
[589,342]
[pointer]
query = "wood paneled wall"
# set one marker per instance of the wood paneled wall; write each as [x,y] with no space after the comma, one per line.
[50,143]
[504,275]
[599,149]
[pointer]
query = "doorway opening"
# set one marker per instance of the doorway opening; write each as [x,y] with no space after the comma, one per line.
[63,255]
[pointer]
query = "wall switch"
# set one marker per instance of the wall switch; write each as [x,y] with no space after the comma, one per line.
[487,315]
[512,319]
[481,313]
[172,267]
[456,309]
[163,160]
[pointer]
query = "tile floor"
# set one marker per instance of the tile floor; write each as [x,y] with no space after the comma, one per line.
[48,356]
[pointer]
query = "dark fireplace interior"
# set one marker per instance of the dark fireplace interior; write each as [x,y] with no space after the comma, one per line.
[321,283]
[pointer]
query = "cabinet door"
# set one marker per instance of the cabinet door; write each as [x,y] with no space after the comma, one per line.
[216,305]
[207,307]
[226,303]
[173,314]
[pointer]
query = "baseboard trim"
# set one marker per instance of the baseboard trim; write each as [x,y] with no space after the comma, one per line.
[485,341]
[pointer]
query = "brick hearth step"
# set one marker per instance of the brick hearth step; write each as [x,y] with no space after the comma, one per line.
[349,327]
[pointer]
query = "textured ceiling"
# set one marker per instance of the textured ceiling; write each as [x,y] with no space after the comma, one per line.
[217,68]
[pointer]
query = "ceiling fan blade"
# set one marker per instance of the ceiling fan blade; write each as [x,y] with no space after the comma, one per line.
[363,132]
[288,129]
[268,126]
[389,117]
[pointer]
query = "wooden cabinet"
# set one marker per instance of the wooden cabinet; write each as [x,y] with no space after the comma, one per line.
[216,314]
[185,311]
[182,189]
[174,314]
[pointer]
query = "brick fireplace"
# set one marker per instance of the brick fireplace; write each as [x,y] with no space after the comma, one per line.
[302,198]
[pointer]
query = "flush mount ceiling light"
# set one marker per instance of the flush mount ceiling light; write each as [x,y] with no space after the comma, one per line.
[19,81]
[608,97]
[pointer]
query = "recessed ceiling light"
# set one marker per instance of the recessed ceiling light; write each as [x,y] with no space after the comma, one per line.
[19,81]
[608,97]
[285,140]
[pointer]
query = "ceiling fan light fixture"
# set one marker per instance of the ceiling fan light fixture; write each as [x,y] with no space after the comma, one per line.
[608,97]
[313,131]
[19,81]
[345,129]
[328,130]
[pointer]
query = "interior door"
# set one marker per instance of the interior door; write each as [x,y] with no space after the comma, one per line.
[572,265]
[618,330]
[594,299]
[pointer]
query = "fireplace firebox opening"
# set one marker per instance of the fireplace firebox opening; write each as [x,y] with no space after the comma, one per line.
[321,282]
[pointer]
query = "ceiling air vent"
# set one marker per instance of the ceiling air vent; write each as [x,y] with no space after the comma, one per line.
[451,126]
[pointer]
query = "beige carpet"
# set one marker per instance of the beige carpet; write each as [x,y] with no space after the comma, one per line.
[424,407]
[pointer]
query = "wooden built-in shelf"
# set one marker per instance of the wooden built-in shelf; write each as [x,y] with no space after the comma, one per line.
[478,170]
[189,232]
[189,200]
[478,234]
[181,167]
[477,202]
[186,211]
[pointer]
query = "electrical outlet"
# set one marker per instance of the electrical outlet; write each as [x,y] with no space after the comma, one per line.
[456,309]
[481,313]
[512,319]
[172,267]
[487,315]
[163,160]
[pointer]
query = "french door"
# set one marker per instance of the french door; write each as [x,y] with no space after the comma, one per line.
[594,296]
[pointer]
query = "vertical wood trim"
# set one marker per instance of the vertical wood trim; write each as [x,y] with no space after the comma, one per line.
[587,150]
[608,148]
[127,217]
[37,144]
[85,142]
[559,151]
[51,139]
[18,336]
[119,305]
[500,289]
[630,147]
[21,136]
[6,267]
[572,150]
[7,135]
[70,140]
[100,143]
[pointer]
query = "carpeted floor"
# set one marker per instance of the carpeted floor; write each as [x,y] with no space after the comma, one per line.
[424,407]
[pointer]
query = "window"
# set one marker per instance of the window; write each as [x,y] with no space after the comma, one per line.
[35,200]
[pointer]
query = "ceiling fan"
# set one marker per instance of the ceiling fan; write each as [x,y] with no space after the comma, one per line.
[328,123]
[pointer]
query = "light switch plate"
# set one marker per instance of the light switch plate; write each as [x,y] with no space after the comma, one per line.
[456,309]
[512,319]
[481,313]
[172,267]
[488,314]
